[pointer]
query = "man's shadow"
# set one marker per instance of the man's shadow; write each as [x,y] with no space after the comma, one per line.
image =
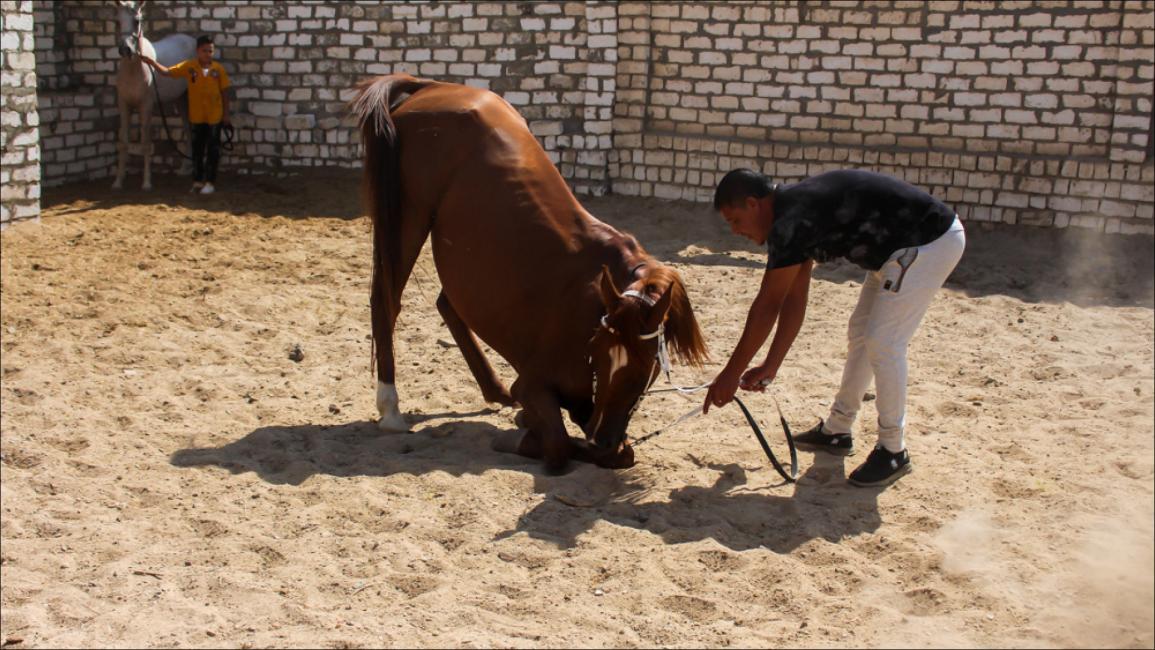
[740,518]
[734,515]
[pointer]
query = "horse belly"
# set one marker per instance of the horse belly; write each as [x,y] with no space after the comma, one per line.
[484,287]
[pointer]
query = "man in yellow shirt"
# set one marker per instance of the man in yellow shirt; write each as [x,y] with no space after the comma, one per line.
[208,108]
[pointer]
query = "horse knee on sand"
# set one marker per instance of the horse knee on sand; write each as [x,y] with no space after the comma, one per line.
[576,307]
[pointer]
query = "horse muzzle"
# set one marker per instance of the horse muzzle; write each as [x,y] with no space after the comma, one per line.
[620,456]
[610,437]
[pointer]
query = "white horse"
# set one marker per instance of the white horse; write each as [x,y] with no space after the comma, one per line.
[134,83]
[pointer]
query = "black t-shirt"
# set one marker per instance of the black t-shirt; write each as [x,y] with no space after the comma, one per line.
[859,215]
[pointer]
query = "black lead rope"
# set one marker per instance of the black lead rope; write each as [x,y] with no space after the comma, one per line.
[228,133]
[793,475]
[789,477]
[163,117]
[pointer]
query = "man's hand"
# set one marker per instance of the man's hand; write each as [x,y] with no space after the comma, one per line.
[757,378]
[722,390]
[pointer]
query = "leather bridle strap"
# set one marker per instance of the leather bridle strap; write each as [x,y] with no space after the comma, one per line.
[664,365]
[789,477]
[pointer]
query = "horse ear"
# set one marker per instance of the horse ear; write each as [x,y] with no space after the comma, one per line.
[661,308]
[609,293]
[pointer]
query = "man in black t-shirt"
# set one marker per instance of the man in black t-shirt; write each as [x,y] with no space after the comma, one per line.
[907,241]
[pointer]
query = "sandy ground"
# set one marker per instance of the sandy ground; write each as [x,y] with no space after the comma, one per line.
[172,478]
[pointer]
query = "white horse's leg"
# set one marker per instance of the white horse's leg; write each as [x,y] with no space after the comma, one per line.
[391,419]
[146,143]
[121,144]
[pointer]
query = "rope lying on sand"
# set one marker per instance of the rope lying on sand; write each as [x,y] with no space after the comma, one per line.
[790,476]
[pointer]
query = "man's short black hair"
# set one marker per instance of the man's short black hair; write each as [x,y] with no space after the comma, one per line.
[739,184]
[201,40]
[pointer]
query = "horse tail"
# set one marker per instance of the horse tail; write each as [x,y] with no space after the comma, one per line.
[381,187]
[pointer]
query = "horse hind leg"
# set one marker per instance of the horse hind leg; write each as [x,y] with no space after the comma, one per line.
[415,228]
[491,387]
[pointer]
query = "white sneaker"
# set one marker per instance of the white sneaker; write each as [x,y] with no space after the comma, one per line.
[208,189]
[197,187]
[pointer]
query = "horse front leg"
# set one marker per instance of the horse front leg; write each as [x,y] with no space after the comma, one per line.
[146,143]
[547,437]
[491,387]
[121,145]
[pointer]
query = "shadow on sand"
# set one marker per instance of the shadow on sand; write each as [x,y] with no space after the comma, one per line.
[1031,264]
[301,194]
[734,515]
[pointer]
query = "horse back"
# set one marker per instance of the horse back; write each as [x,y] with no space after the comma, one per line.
[508,235]
[468,151]
[171,50]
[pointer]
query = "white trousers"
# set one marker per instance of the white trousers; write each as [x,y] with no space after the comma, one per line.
[890,307]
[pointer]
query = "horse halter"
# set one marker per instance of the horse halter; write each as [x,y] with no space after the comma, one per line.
[660,334]
[138,32]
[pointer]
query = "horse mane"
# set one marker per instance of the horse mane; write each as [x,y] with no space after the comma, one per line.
[683,337]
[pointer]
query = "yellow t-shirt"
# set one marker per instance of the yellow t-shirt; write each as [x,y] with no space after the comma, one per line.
[205,86]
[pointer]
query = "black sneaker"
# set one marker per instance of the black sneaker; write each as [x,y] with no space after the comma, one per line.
[881,468]
[839,444]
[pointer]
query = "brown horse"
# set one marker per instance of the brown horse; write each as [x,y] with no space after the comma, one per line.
[521,263]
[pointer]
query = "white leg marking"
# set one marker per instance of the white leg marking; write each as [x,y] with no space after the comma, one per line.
[391,419]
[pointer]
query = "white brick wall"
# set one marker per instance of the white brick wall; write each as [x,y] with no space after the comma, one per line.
[1017,112]
[1050,97]
[19,133]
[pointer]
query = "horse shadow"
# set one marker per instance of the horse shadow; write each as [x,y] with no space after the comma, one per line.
[822,506]
[290,455]
[728,511]
[331,193]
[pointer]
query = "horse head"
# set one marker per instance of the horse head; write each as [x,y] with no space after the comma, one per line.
[130,14]
[626,352]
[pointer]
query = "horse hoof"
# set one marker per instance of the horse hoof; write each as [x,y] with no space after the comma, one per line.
[393,423]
